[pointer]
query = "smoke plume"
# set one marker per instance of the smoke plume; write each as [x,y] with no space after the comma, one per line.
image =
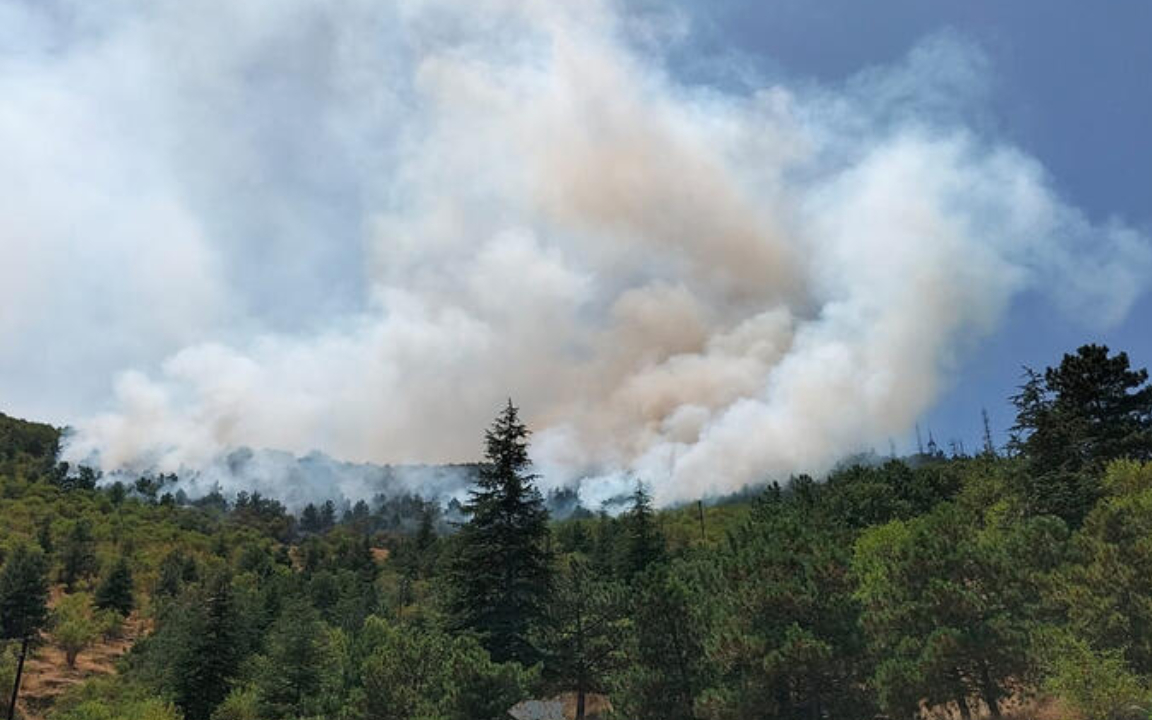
[359,226]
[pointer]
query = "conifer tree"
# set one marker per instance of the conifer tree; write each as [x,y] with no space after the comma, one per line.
[645,543]
[115,591]
[44,535]
[501,574]
[1072,420]
[310,519]
[23,605]
[209,650]
[290,677]
[327,515]
[583,633]
[78,555]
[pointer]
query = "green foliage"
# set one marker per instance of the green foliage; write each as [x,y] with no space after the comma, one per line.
[74,626]
[23,594]
[27,450]
[115,590]
[942,584]
[293,671]
[1098,685]
[243,703]
[581,638]
[786,638]
[1072,420]
[428,674]
[113,699]
[666,663]
[195,652]
[9,650]
[501,572]
[645,543]
[1106,594]
[78,554]
[176,570]
[948,606]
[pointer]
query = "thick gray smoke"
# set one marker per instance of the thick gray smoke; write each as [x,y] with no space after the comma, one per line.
[359,226]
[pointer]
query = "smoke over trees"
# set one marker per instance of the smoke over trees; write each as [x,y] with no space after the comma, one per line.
[454,182]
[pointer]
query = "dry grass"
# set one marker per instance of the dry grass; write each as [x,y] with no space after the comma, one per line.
[47,675]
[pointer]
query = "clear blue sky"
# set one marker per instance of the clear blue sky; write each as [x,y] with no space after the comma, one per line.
[1071,84]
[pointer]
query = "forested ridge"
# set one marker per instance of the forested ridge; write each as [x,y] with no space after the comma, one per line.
[1016,581]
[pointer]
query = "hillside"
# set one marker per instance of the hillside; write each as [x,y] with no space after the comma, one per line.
[990,585]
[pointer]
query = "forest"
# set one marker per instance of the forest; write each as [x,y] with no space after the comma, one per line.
[1012,582]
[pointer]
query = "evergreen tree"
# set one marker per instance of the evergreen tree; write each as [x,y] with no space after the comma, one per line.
[206,649]
[426,533]
[23,594]
[606,544]
[310,519]
[645,543]
[1072,420]
[176,569]
[785,637]
[327,515]
[1106,597]
[23,605]
[44,535]
[948,606]
[501,574]
[78,555]
[582,636]
[292,672]
[115,591]
[667,663]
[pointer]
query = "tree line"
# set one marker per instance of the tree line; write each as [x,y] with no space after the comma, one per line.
[973,583]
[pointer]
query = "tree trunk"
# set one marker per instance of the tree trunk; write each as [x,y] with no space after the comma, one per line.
[580,704]
[16,684]
[965,712]
[990,695]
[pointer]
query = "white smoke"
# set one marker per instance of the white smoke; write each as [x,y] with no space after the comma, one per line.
[358,226]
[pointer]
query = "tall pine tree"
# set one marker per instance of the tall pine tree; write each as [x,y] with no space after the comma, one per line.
[501,572]
[645,542]
[23,606]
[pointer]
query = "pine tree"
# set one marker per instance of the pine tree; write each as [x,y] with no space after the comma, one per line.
[176,569]
[501,574]
[23,605]
[209,650]
[44,535]
[310,519]
[78,555]
[115,592]
[645,543]
[1072,420]
[582,636]
[327,515]
[667,660]
[426,534]
[291,676]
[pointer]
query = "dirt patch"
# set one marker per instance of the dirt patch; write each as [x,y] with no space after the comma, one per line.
[47,675]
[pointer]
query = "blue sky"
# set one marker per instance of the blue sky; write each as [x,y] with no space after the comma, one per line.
[1071,83]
